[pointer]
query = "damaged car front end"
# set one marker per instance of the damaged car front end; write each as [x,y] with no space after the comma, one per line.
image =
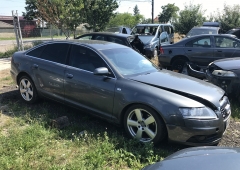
[223,73]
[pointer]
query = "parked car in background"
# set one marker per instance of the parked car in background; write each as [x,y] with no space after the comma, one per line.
[123,39]
[234,31]
[118,84]
[152,35]
[206,28]
[200,50]
[201,158]
[224,73]
[120,29]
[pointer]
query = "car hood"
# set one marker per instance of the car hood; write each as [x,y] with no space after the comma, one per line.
[228,64]
[146,39]
[182,85]
[216,158]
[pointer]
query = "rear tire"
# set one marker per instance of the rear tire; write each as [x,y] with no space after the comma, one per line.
[179,64]
[27,90]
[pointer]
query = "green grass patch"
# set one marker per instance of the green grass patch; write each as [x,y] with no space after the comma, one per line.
[235,110]
[29,142]
[8,53]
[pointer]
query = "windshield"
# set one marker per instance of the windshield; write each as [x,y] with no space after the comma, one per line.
[129,62]
[114,29]
[195,31]
[145,30]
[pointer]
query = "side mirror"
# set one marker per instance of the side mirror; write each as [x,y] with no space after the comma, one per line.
[101,71]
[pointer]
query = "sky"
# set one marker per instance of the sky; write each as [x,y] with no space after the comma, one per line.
[211,6]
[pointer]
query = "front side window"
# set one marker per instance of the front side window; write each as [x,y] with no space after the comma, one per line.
[128,62]
[163,37]
[56,52]
[85,59]
[225,42]
[200,42]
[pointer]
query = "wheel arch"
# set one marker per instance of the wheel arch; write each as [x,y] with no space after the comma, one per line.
[132,104]
[22,74]
[178,57]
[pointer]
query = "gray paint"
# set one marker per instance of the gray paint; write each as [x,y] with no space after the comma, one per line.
[107,97]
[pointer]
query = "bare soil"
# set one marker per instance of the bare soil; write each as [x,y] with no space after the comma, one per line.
[10,94]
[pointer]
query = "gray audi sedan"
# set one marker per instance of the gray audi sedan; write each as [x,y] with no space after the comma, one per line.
[118,84]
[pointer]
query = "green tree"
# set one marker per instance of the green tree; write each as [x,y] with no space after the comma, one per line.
[191,16]
[146,20]
[136,10]
[63,14]
[31,8]
[98,13]
[169,13]
[125,19]
[229,17]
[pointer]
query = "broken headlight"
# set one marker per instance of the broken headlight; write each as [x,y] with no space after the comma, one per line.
[223,73]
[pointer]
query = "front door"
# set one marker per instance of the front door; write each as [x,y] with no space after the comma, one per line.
[83,88]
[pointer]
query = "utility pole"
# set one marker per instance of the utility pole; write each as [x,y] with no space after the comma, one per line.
[152,11]
[17,30]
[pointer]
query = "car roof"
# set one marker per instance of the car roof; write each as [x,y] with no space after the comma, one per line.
[205,27]
[108,33]
[202,35]
[152,24]
[96,44]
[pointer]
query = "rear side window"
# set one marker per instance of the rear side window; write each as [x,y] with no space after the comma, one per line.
[99,37]
[55,52]
[87,37]
[116,40]
[36,52]
[200,42]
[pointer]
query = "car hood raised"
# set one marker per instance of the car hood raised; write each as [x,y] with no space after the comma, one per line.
[183,85]
[228,64]
[146,39]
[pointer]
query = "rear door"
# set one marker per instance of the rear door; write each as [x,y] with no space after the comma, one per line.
[48,66]
[83,88]
[200,50]
[226,47]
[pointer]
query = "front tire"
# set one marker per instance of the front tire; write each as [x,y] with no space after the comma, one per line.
[144,123]
[27,90]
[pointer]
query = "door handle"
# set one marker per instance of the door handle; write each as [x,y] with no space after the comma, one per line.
[69,75]
[35,66]
[219,51]
[189,50]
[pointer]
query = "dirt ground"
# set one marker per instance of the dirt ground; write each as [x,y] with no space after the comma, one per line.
[9,93]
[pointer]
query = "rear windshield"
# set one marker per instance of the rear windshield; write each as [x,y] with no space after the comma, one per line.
[196,31]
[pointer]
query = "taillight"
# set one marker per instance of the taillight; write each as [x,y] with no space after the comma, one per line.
[161,50]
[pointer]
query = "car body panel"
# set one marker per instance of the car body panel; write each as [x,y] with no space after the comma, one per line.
[201,158]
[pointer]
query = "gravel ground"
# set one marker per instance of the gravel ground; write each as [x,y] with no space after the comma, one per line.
[9,93]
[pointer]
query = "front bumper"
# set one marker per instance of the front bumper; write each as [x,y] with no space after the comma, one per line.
[149,52]
[198,132]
